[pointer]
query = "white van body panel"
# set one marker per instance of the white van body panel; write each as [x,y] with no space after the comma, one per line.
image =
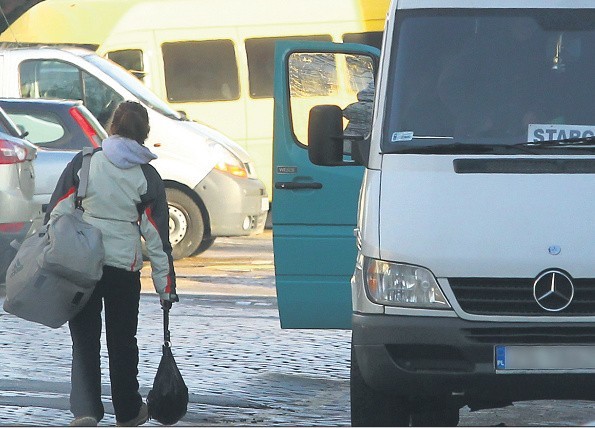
[483,225]
[183,153]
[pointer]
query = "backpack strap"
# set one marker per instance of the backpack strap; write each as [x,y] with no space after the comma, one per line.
[84,177]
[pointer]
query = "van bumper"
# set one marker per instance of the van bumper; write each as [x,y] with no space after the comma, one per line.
[236,206]
[453,358]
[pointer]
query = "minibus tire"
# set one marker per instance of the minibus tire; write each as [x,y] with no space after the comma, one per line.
[442,415]
[373,408]
[187,226]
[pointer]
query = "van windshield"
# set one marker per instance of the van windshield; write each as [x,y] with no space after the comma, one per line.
[135,86]
[491,80]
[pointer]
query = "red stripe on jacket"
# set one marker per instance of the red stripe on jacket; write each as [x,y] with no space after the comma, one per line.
[68,193]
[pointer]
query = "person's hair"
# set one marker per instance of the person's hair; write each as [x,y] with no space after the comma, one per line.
[130,120]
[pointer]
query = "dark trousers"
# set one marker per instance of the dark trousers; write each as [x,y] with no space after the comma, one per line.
[120,290]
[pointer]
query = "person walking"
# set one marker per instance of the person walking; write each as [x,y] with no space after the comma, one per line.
[125,200]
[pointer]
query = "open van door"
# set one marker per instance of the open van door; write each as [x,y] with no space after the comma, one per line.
[314,207]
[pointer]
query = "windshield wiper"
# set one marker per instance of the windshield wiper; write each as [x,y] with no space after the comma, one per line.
[460,148]
[563,142]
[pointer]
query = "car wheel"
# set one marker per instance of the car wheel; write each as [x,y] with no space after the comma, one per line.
[442,414]
[186,224]
[372,408]
[204,245]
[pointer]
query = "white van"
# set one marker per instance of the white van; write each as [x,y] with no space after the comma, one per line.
[471,266]
[211,186]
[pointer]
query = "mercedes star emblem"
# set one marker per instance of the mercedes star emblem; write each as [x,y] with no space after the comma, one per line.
[553,290]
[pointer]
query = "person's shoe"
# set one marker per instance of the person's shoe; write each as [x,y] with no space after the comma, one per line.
[141,418]
[84,421]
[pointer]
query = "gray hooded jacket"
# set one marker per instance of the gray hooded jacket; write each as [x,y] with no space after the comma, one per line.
[125,199]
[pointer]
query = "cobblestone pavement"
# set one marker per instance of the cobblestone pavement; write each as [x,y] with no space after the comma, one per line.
[241,368]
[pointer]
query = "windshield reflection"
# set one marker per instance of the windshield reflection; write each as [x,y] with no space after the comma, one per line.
[490,77]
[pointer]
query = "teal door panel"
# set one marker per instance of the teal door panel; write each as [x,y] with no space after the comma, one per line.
[314,212]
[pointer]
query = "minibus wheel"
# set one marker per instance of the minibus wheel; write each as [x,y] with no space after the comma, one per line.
[441,415]
[186,224]
[373,408]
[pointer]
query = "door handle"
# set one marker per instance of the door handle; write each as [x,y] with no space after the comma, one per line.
[292,185]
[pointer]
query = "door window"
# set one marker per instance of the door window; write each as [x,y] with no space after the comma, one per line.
[339,79]
[260,53]
[100,99]
[50,79]
[58,79]
[201,71]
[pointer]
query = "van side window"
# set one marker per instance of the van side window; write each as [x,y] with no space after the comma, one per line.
[201,71]
[371,38]
[260,53]
[100,99]
[131,60]
[58,79]
[50,79]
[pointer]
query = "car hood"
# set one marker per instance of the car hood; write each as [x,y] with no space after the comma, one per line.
[13,9]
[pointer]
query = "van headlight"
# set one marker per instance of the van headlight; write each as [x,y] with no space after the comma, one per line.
[228,162]
[397,284]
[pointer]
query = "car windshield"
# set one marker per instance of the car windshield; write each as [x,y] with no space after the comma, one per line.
[491,80]
[134,85]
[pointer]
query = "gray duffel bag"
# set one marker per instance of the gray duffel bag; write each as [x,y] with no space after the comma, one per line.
[56,269]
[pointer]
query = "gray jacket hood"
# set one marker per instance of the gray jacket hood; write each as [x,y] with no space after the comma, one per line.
[126,153]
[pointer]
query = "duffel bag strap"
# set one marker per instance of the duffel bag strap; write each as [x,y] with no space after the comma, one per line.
[84,179]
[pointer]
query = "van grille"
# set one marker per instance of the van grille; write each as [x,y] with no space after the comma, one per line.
[514,296]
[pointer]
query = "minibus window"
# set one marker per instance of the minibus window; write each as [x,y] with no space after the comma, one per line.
[131,60]
[371,38]
[489,77]
[200,71]
[260,53]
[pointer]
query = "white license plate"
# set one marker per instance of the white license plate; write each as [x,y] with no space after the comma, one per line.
[264,204]
[559,358]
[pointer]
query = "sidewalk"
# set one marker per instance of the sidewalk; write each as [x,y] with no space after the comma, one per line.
[240,367]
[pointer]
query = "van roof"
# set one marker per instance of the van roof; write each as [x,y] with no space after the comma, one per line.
[159,14]
[65,21]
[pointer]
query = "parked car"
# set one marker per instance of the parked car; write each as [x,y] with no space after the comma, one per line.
[60,129]
[18,208]
[211,185]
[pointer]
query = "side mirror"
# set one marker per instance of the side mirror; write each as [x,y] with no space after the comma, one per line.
[325,135]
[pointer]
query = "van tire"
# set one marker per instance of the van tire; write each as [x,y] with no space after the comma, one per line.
[372,408]
[442,414]
[204,245]
[186,224]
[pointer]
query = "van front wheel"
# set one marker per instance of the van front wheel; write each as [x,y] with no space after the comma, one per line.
[186,224]
[373,408]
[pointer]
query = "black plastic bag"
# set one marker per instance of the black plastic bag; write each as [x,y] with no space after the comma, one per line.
[168,400]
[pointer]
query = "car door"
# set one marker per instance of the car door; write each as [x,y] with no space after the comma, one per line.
[314,207]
